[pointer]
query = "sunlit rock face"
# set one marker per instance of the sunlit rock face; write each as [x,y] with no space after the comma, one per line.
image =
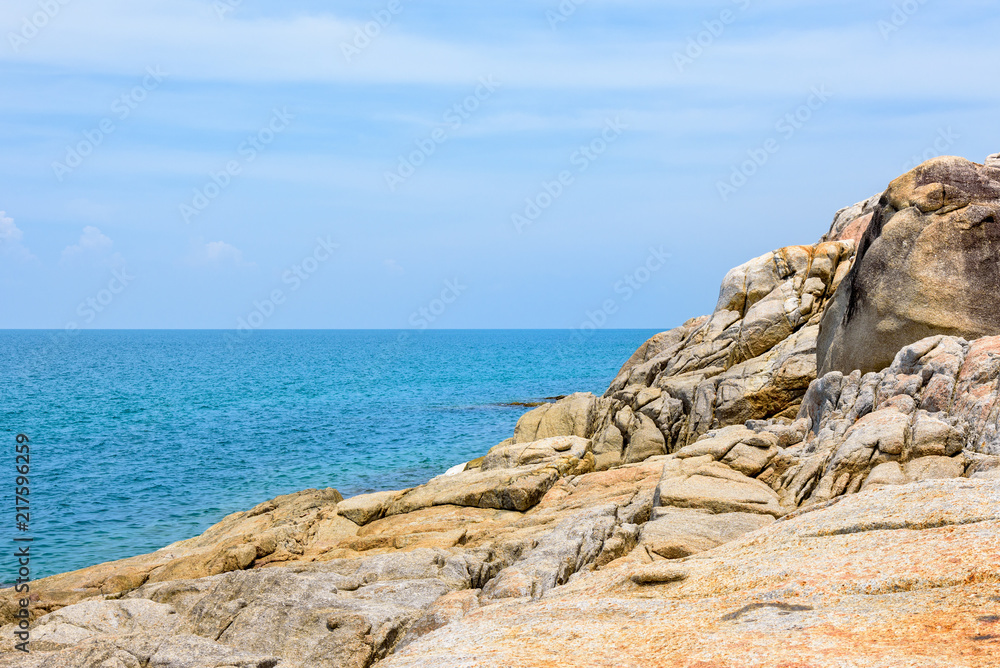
[928,263]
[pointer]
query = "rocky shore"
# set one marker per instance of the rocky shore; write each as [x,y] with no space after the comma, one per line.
[809,476]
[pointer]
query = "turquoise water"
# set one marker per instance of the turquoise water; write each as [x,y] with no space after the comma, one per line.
[143,438]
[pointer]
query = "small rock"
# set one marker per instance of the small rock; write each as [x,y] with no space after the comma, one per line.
[658,573]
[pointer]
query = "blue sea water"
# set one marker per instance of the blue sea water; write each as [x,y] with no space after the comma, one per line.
[143,438]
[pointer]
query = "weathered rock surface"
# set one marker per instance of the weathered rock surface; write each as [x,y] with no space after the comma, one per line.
[931,414]
[675,533]
[753,358]
[851,222]
[570,416]
[709,485]
[720,505]
[386,583]
[273,532]
[894,578]
[929,263]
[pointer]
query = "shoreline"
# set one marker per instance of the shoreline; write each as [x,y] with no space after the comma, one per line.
[228,447]
[770,480]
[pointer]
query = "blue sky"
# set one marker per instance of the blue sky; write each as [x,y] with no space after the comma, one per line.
[566,159]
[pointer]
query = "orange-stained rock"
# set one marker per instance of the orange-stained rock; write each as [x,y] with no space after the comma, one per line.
[829,588]
[581,542]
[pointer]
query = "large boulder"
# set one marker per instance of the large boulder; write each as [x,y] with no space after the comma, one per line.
[717,480]
[928,263]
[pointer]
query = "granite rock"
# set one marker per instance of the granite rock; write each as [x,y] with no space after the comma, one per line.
[926,265]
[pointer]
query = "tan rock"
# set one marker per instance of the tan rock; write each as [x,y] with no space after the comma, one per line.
[675,533]
[365,508]
[932,436]
[926,265]
[609,448]
[570,416]
[752,359]
[765,386]
[71,626]
[716,444]
[504,489]
[714,487]
[658,573]
[281,526]
[933,467]
[645,440]
[887,473]
[544,451]
[749,460]
[449,608]
[795,593]
[851,222]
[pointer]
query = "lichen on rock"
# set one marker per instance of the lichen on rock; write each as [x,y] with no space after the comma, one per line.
[809,475]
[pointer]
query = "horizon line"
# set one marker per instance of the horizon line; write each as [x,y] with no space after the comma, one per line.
[334,329]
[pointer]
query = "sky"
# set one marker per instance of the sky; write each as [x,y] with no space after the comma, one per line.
[409,165]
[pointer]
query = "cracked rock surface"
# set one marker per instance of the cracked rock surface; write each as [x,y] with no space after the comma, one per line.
[719,505]
[830,588]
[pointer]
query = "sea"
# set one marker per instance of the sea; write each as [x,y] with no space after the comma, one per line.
[142,438]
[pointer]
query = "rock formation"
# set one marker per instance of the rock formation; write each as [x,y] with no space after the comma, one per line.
[720,505]
[891,577]
[928,263]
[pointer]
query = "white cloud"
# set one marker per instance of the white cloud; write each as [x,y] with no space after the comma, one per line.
[93,249]
[189,42]
[393,267]
[10,239]
[218,254]
[8,230]
[91,241]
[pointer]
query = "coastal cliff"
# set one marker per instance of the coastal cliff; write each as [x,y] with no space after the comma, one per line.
[807,476]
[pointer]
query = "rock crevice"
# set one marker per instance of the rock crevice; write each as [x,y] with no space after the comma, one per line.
[834,404]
